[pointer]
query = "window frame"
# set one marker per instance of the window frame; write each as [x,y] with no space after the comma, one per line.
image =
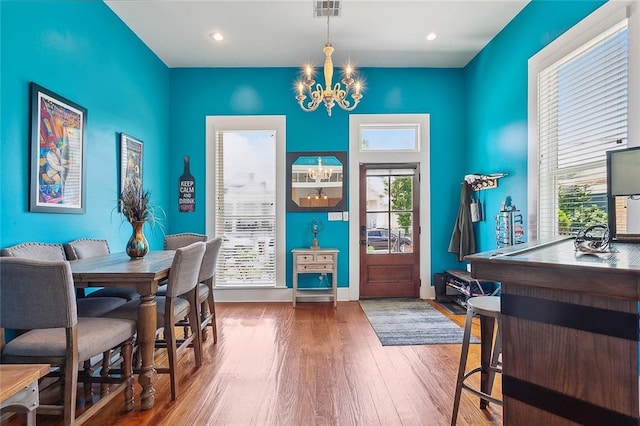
[600,21]
[277,123]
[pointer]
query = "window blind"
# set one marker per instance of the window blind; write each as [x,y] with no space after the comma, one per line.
[582,113]
[246,208]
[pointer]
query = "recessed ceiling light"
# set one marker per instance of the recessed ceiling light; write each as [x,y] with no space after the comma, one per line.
[432,36]
[216,36]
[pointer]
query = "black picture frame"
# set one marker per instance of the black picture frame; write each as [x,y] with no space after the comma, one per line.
[57,171]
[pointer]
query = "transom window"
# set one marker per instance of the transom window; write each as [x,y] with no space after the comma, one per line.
[402,137]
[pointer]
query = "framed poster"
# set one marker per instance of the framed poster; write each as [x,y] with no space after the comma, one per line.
[57,153]
[130,161]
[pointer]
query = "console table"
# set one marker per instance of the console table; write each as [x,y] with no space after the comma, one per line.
[569,330]
[319,261]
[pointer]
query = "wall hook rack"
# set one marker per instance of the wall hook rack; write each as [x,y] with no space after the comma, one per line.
[480,182]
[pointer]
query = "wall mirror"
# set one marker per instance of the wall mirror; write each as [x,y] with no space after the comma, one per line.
[317,181]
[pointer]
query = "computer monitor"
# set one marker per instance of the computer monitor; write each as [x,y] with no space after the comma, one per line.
[623,180]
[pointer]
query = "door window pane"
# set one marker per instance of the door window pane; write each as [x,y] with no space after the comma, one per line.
[389,211]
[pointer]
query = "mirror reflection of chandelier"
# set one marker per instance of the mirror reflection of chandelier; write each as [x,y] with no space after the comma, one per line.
[319,173]
[330,95]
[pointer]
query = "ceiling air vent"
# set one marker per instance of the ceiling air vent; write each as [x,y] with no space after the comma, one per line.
[323,7]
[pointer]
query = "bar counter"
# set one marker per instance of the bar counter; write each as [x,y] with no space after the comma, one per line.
[570,332]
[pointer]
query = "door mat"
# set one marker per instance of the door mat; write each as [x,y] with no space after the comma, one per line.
[399,322]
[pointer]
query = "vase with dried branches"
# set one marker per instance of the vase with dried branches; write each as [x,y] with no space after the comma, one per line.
[135,207]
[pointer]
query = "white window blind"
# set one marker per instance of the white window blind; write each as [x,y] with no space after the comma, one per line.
[246,207]
[582,113]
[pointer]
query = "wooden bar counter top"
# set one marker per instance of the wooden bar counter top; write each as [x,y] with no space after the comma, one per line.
[570,332]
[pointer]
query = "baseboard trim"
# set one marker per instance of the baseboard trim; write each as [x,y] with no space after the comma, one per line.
[266,295]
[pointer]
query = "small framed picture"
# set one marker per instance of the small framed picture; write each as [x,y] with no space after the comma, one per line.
[130,161]
[57,173]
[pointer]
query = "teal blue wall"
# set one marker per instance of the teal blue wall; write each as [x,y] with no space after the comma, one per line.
[496,131]
[196,93]
[83,52]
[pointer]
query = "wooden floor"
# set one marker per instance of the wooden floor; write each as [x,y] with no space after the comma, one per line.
[313,365]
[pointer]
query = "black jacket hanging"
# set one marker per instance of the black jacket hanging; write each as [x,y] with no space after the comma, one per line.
[463,240]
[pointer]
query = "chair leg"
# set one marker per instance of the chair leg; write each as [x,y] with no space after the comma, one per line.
[170,338]
[497,350]
[194,321]
[127,372]
[464,353]
[104,372]
[87,372]
[70,388]
[203,314]
[212,310]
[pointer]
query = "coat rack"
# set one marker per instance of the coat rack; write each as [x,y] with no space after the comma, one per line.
[480,182]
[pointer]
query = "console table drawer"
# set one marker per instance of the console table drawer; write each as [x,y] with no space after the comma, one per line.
[314,258]
[315,267]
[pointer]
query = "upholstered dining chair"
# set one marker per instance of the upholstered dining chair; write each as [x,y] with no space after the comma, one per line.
[183,279]
[205,280]
[86,307]
[83,248]
[38,296]
[205,287]
[175,241]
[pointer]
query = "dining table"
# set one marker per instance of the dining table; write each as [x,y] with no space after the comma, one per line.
[119,270]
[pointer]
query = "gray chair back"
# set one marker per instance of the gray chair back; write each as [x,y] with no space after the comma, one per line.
[86,247]
[185,269]
[174,241]
[39,251]
[36,294]
[208,268]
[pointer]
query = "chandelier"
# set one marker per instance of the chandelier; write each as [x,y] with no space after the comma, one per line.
[330,94]
[319,173]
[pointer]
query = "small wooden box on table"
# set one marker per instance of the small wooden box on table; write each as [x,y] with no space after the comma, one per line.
[318,261]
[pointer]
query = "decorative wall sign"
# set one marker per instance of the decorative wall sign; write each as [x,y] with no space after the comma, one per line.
[186,190]
[57,153]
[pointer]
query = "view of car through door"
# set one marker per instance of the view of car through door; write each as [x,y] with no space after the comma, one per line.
[389,230]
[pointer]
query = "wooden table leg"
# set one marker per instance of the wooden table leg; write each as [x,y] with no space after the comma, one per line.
[147,325]
[486,338]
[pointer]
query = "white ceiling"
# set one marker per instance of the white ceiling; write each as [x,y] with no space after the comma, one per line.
[284,33]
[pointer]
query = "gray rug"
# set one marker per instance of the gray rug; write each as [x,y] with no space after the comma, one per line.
[399,322]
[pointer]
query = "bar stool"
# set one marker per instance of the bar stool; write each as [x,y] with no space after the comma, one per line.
[487,308]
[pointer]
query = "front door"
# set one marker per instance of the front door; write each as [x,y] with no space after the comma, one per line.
[389,231]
